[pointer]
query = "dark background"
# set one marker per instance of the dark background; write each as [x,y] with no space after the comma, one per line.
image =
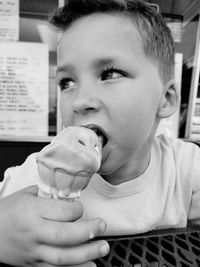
[14,153]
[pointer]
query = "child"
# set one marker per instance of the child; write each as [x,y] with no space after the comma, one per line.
[116,75]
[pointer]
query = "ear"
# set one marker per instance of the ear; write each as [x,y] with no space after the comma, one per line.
[169,101]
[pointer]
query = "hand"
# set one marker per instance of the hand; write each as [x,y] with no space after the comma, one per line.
[36,231]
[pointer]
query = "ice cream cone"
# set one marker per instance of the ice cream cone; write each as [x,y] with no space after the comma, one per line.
[66,165]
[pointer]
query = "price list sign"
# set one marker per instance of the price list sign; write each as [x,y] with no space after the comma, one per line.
[9,20]
[24,90]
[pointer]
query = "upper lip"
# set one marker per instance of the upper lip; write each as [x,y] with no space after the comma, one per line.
[98,129]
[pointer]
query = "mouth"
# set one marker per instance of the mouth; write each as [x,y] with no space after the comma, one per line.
[99,132]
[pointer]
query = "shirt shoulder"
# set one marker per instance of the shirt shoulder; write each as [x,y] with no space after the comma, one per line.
[183,155]
[180,148]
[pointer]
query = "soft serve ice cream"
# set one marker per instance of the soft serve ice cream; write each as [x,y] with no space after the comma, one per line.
[66,165]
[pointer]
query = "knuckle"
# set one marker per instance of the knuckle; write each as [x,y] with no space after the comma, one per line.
[58,259]
[59,234]
[65,234]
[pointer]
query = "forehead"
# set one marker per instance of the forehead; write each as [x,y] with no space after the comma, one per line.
[100,33]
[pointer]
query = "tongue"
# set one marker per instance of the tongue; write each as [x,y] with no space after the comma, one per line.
[101,140]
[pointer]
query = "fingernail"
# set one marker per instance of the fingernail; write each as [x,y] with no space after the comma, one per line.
[91,235]
[104,249]
[102,227]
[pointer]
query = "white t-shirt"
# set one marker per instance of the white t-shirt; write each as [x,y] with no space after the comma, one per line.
[166,195]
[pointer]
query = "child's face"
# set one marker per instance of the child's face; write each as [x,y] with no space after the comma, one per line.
[107,80]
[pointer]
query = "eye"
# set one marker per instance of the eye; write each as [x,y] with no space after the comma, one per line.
[66,84]
[112,73]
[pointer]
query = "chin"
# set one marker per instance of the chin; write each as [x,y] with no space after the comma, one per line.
[107,171]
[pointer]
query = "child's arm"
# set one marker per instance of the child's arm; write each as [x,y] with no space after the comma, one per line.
[37,231]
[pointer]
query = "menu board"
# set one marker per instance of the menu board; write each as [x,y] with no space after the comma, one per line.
[9,20]
[174,22]
[24,72]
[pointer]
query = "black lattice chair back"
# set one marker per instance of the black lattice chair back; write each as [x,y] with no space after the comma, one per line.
[168,248]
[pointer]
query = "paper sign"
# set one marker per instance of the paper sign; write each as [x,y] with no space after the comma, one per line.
[9,20]
[24,89]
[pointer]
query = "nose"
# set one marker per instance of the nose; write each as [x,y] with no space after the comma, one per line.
[86,100]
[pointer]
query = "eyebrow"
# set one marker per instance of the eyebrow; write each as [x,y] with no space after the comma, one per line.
[64,68]
[97,63]
[105,61]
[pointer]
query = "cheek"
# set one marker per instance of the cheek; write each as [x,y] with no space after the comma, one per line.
[136,121]
[135,111]
[65,112]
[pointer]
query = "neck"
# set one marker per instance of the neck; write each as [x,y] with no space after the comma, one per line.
[131,170]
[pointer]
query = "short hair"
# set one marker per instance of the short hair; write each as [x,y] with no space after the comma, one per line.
[156,36]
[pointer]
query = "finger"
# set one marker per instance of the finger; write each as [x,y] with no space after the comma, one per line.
[60,210]
[74,255]
[70,234]
[88,264]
